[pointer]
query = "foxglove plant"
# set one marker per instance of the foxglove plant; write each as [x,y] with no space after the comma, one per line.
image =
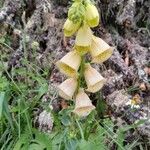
[82,16]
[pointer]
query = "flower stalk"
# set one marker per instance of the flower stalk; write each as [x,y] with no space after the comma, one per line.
[81,73]
[82,16]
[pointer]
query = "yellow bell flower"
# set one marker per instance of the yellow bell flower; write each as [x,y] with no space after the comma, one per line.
[100,50]
[84,38]
[92,15]
[93,79]
[83,104]
[70,28]
[69,64]
[67,88]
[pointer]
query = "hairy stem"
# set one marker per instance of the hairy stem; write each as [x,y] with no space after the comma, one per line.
[81,73]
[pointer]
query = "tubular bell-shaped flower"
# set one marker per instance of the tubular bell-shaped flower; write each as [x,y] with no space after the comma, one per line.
[83,104]
[68,88]
[70,28]
[100,50]
[92,15]
[83,38]
[69,64]
[93,79]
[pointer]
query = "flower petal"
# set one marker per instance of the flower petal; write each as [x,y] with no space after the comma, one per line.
[69,64]
[83,105]
[84,36]
[93,79]
[68,88]
[100,50]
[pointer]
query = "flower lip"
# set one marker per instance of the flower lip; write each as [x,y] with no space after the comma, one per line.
[100,50]
[84,111]
[83,104]
[81,49]
[69,64]
[66,69]
[96,87]
[103,56]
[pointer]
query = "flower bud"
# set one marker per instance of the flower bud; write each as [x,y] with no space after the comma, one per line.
[70,28]
[92,15]
[93,79]
[100,50]
[69,64]
[83,105]
[83,38]
[68,88]
[76,12]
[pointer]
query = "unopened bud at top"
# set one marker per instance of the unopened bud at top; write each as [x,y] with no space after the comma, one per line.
[92,15]
[70,28]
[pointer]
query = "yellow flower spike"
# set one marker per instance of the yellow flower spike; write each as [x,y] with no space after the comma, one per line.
[92,15]
[100,50]
[83,38]
[69,64]
[83,104]
[70,28]
[93,79]
[68,88]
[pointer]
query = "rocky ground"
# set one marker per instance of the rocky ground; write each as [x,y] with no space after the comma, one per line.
[125,24]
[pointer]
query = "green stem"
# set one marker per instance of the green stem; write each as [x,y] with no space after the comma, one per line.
[81,131]
[81,73]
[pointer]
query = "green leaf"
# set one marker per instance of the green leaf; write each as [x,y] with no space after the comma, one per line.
[42,90]
[2,98]
[98,138]
[71,144]
[85,145]
[120,140]
[23,142]
[35,146]
[4,84]
[65,117]
[59,138]
[4,110]
[42,140]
